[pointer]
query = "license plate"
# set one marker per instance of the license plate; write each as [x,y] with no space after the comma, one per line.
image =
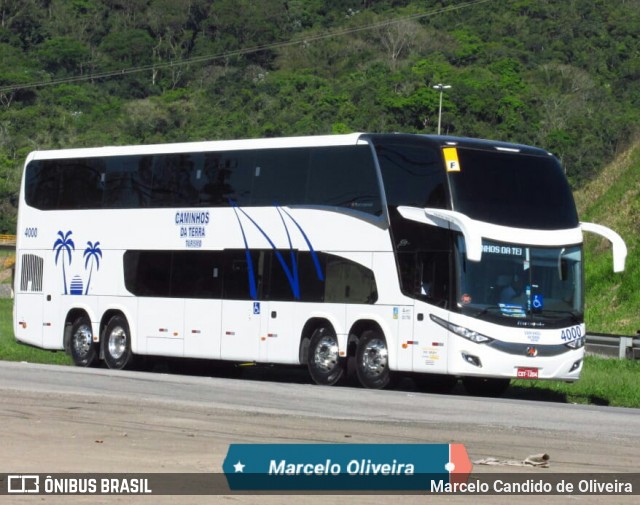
[527,373]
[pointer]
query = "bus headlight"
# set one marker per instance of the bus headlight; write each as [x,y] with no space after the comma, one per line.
[471,335]
[576,344]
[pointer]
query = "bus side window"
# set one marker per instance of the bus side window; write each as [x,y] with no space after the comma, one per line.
[120,189]
[195,274]
[434,268]
[143,181]
[41,184]
[344,177]
[349,282]
[425,275]
[184,166]
[164,181]
[233,178]
[80,183]
[412,175]
[280,177]
[312,282]
[238,277]
[148,273]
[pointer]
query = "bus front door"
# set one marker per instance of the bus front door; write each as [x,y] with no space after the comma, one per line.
[277,339]
[430,343]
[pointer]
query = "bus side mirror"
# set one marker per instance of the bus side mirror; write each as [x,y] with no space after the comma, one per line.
[444,219]
[619,247]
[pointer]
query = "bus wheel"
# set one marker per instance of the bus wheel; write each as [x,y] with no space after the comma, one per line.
[325,366]
[372,361]
[82,349]
[482,386]
[116,343]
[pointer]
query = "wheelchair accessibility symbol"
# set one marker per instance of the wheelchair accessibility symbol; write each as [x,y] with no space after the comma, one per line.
[538,302]
[256,308]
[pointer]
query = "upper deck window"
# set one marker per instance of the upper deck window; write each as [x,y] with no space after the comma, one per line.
[413,173]
[339,176]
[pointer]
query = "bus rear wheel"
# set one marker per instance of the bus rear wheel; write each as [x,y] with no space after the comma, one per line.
[372,360]
[84,352]
[116,343]
[323,360]
[484,386]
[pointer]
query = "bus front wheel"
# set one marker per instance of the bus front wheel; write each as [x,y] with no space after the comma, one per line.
[372,360]
[325,365]
[82,349]
[116,343]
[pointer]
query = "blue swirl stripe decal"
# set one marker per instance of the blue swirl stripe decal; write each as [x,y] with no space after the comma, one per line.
[316,261]
[253,292]
[291,271]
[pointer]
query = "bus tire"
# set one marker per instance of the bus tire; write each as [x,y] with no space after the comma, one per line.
[485,386]
[116,343]
[323,359]
[83,351]
[372,360]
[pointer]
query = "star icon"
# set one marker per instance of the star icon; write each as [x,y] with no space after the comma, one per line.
[239,467]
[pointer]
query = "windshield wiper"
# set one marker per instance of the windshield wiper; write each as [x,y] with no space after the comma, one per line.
[571,314]
[486,310]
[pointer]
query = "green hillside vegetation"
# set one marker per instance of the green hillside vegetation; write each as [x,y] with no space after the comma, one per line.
[613,199]
[561,75]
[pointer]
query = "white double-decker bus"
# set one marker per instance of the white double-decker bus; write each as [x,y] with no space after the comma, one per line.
[437,256]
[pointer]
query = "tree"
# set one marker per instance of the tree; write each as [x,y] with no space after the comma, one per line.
[127,48]
[22,18]
[63,55]
[398,39]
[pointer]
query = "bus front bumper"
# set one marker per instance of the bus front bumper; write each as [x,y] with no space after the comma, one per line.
[514,361]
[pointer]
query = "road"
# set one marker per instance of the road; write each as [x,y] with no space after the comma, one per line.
[63,419]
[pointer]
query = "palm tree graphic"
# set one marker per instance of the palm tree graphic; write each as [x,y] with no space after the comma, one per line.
[92,254]
[64,243]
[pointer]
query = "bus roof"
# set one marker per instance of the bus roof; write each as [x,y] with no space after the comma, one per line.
[471,143]
[281,142]
[213,145]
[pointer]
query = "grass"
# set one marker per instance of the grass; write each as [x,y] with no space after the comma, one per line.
[604,381]
[10,350]
[613,199]
[6,261]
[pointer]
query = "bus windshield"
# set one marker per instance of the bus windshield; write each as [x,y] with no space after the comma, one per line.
[512,189]
[516,285]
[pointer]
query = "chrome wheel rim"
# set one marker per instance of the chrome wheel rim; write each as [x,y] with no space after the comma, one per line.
[117,343]
[375,358]
[82,340]
[325,355]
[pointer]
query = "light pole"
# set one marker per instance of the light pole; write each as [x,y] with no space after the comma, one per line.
[441,87]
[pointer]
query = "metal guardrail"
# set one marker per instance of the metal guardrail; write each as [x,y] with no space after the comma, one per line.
[8,240]
[617,346]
